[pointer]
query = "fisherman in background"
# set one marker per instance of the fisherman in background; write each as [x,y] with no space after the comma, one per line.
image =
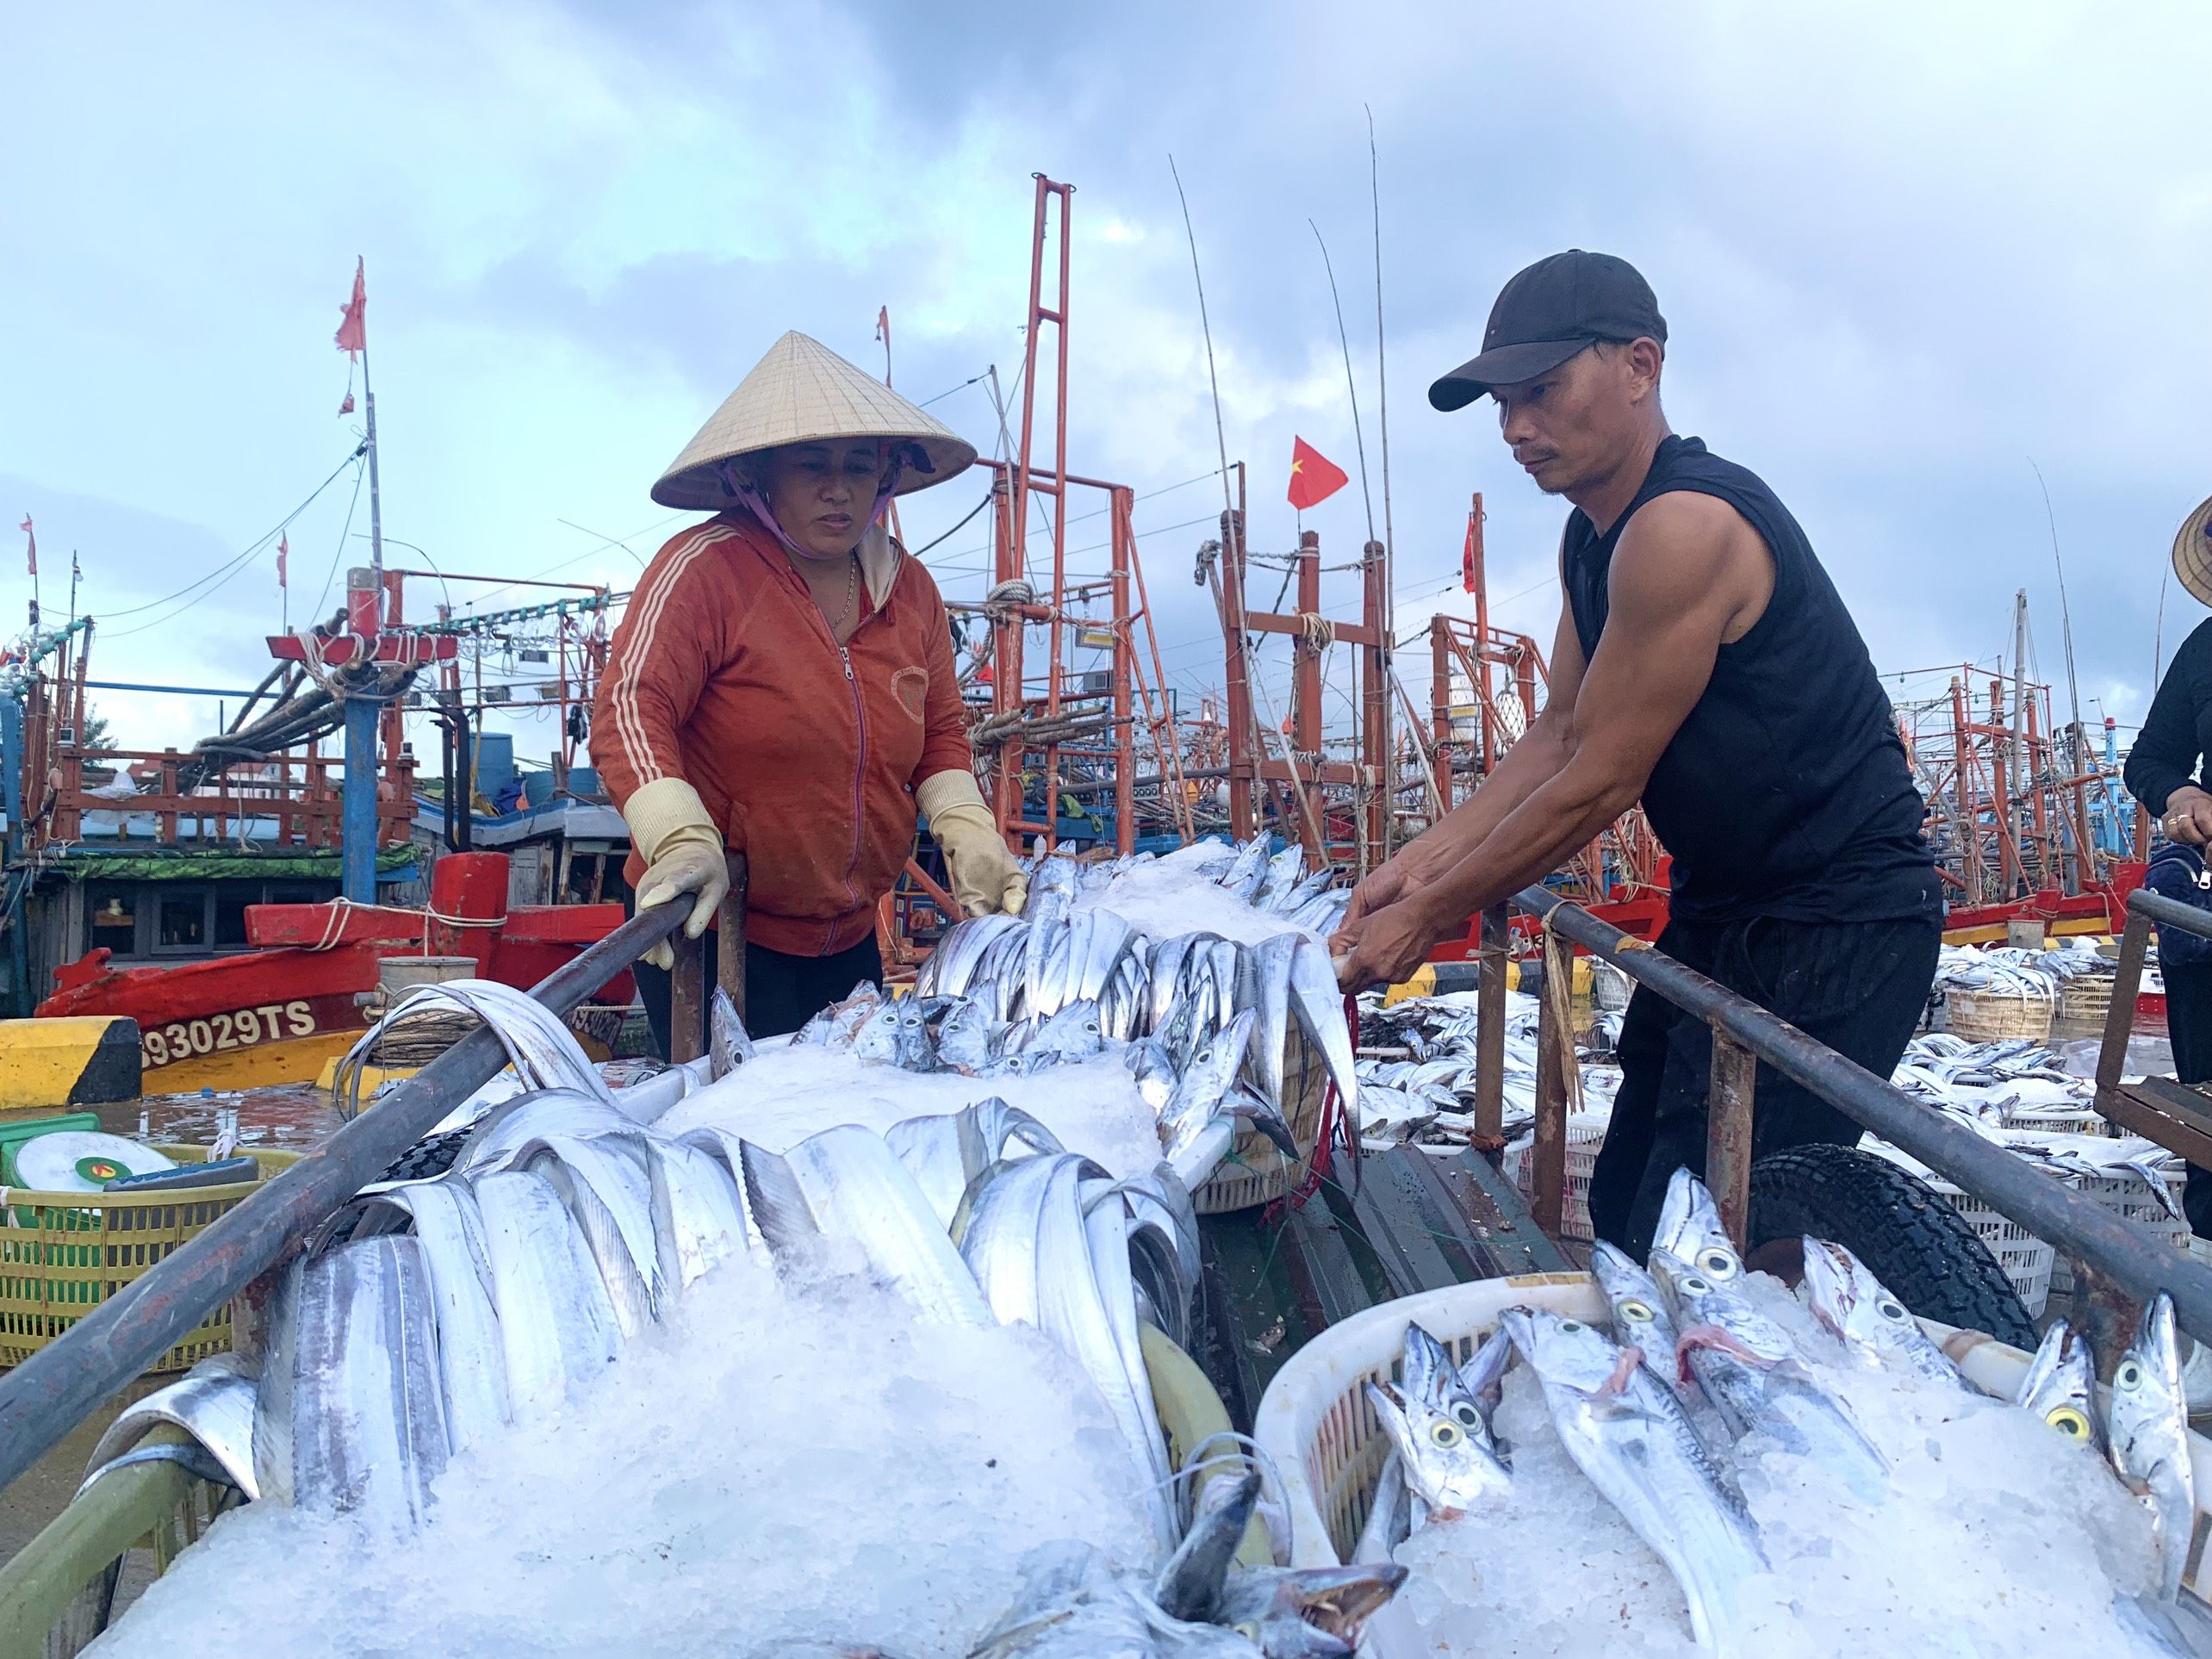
[1704,665]
[2164,772]
[783,685]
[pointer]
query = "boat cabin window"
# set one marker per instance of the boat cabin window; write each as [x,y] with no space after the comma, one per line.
[144,920]
[111,914]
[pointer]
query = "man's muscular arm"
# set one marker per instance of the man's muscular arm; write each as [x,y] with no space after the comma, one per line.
[1688,570]
[1522,769]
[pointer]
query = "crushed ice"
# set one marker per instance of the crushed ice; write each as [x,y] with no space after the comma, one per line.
[783,1459]
[2000,1537]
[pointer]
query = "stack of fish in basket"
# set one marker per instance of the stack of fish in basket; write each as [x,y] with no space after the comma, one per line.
[1817,1477]
[2019,1093]
[512,1257]
[2004,991]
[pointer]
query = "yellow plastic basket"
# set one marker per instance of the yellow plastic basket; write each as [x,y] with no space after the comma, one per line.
[64,1254]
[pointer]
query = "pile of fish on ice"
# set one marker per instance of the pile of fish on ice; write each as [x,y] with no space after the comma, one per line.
[1427,1098]
[2019,1093]
[1725,1466]
[2022,972]
[976,1288]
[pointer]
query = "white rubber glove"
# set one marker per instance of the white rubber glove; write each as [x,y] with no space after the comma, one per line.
[985,876]
[683,852]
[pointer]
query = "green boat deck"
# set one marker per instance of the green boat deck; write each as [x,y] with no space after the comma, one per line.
[1277,1277]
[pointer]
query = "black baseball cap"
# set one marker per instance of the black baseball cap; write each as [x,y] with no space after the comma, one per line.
[1546,314]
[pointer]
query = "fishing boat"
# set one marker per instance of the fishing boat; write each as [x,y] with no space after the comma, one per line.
[278,1013]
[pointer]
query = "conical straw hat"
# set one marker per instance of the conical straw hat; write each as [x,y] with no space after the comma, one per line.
[804,393]
[2192,553]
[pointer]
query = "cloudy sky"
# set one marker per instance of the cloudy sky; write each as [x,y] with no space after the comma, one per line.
[1903,251]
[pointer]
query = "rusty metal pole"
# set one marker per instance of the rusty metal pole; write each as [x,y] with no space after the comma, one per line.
[1490,1028]
[1554,1056]
[687,999]
[1728,1134]
[2120,1020]
[729,961]
[1123,541]
[1440,706]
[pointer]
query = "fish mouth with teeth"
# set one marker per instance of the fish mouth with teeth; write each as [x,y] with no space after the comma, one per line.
[1313,1612]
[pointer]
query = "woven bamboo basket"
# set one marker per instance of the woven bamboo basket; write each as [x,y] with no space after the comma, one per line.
[1995,1015]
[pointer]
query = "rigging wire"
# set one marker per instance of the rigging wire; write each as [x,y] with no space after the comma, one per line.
[331,575]
[230,565]
[2066,612]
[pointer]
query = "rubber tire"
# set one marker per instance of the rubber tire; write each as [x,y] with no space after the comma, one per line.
[431,1156]
[1912,1240]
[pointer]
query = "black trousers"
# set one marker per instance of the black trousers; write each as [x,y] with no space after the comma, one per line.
[782,992]
[2189,1026]
[1857,987]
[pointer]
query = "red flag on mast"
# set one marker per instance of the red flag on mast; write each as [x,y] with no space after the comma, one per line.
[1313,476]
[283,547]
[34,552]
[1470,556]
[352,328]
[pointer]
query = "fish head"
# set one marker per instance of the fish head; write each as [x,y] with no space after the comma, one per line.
[1638,1309]
[1312,1612]
[1484,1372]
[1189,1586]
[1212,1068]
[1076,1031]
[1856,1307]
[1690,1228]
[2147,1413]
[2060,1386]
[877,1038]
[1424,1363]
[1452,1469]
[1566,1353]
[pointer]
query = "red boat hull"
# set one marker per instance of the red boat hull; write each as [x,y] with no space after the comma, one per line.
[277,1014]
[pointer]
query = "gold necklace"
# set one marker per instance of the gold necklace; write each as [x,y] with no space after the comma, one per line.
[852,588]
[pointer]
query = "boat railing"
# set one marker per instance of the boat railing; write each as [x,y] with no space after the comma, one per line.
[300,793]
[2137,1262]
[46,1396]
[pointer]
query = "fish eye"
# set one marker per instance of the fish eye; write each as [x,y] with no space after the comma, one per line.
[1446,1434]
[2069,1421]
[1569,1325]
[1637,1313]
[2129,1376]
[1696,1286]
[1468,1416]
[1891,1310]
[1249,1629]
[1721,1264]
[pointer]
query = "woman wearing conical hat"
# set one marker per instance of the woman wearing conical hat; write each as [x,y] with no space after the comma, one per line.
[783,685]
[2166,772]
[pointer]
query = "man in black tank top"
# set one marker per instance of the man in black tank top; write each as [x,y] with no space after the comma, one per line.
[1706,666]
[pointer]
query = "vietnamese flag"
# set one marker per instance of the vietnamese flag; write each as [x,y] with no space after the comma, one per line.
[1313,476]
[353,325]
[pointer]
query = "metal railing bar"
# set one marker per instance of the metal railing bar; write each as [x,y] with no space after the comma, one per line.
[46,1396]
[2139,1260]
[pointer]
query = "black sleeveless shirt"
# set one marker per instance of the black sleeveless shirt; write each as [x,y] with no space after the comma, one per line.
[1786,792]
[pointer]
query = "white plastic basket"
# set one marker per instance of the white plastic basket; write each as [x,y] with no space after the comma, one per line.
[2061,1119]
[1586,1133]
[2026,1259]
[1316,1425]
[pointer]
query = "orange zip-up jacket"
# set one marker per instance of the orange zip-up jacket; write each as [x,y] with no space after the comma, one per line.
[724,674]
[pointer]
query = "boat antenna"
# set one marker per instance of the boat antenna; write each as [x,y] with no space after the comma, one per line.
[1352,386]
[1221,438]
[2066,614]
[1386,646]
